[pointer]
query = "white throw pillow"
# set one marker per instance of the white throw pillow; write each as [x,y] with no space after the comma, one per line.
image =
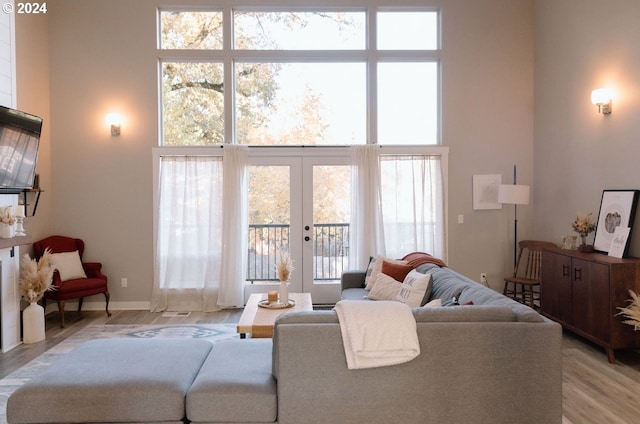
[68,265]
[415,289]
[435,303]
[375,268]
[384,288]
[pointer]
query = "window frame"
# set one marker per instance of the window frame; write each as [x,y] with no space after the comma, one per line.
[370,56]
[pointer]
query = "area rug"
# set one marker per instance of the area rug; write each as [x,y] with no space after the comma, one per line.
[209,332]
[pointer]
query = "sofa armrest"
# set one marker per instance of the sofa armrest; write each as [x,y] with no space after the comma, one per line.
[93,270]
[352,279]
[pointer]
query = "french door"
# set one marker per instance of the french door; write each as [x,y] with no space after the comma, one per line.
[300,205]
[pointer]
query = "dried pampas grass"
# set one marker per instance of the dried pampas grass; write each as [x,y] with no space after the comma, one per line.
[284,267]
[36,276]
[632,312]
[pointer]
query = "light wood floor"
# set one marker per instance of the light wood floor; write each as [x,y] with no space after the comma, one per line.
[594,391]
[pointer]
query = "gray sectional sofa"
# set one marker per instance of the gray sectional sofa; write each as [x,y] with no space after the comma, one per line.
[494,362]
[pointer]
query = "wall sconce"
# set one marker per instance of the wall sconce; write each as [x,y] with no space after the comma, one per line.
[115,121]
[601,97]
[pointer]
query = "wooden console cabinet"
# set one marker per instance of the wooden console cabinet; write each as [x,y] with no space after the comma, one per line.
[582,291]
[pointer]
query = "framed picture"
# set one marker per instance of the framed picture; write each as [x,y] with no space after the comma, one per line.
[617,209]
[485,191]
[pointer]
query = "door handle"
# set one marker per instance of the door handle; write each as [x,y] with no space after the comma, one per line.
[306,228]
[577,274]
[565,270]
[307,238]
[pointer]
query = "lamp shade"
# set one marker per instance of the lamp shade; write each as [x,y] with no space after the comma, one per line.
[513,194]
[601,96]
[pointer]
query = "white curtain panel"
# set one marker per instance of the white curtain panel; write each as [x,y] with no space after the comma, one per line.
[235,228]
[189,234]
[366,233]
[412,204]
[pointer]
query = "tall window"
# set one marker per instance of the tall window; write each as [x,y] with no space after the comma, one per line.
[299,77]
[347,79]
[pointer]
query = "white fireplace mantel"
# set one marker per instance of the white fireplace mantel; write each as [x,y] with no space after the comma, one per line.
[9,277]
[14,241]
[9,299]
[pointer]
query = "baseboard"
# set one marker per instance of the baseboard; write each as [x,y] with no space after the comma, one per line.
[99,306]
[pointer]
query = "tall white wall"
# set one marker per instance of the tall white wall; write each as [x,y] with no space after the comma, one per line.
[102,58]
[32,89]
[7,60]
[580,46]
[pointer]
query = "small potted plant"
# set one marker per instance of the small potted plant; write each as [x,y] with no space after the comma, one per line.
[284,268]
[35,279]
[583,225]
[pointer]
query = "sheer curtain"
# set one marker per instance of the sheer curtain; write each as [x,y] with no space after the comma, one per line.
[413,204]
[397,205]
[236,225]
[189,234]
[366,233]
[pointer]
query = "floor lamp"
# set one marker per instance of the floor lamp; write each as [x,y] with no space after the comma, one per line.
[513,194]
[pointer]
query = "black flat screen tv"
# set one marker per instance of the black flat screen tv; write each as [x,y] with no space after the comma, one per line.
[19,141]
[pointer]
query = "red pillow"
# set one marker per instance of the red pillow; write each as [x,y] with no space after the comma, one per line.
[396,271]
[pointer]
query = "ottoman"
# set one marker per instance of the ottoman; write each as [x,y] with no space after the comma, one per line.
[113,380]
[235,385]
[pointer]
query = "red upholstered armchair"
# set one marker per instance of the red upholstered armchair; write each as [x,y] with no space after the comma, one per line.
[72,284]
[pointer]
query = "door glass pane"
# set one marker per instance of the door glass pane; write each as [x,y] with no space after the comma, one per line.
[190,30]
[408,103]
[255,30]
[192,104]
[269,220]
[331,217]
[301,103]
[407,30]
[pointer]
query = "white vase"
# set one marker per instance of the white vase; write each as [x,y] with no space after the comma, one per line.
[6,230]
[284,292]
[33,323]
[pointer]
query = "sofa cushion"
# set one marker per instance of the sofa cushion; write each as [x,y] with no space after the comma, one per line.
[397,271]
[112,380]
[464,314]
[384,288]
[448,283]
[375,267]
[235,384]
[308,317]
[415,289]
[354,294]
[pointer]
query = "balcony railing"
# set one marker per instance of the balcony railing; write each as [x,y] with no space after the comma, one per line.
[330,250]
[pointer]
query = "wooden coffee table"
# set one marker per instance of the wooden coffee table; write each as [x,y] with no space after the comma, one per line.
[259,321]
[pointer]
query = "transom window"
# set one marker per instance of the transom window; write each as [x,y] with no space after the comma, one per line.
[291,77]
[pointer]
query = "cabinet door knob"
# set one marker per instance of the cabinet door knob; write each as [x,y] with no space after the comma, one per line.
[565,270]
[307,238]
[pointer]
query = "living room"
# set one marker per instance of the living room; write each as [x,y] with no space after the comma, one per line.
[517,76]
[513,93]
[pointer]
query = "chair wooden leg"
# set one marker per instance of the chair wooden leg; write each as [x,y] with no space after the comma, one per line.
[61,311]
[80,304]
[107,296]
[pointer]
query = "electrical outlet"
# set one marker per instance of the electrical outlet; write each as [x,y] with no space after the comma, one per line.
[123,282]
[483,278]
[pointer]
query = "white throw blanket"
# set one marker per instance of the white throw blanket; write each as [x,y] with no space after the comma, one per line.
[377,334]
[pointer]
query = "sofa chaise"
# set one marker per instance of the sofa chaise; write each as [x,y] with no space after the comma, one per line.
[496,361]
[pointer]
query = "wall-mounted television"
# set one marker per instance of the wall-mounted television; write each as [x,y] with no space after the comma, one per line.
[19,141]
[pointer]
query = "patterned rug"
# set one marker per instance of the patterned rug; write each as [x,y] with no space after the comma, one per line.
[210,332]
